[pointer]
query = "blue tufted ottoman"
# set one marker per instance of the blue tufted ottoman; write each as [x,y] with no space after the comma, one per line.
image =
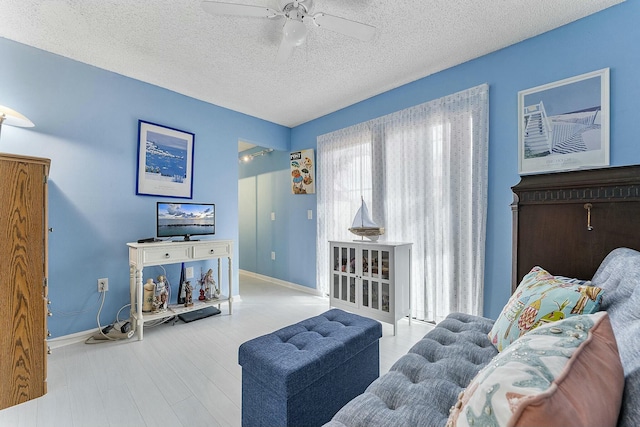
[303,374]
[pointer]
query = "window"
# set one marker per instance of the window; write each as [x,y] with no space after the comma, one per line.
[423,173]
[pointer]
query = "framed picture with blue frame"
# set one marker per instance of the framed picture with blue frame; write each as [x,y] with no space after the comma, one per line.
[165,161]
[564,125]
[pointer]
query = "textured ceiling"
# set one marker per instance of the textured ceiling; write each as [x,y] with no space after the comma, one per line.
[230,61]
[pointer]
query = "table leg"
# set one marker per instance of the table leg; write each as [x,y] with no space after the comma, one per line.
[230,286]
[140,321]
[132,294]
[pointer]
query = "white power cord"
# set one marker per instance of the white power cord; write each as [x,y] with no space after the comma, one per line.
[105,336]
[130,333]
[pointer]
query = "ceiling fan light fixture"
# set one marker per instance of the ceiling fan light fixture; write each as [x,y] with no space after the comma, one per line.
[295,32]
[296,14]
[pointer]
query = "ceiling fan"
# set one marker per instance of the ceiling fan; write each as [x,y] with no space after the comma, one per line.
[296,14]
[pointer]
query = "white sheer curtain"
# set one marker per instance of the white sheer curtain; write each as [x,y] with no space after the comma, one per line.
[345,157]
[428,183]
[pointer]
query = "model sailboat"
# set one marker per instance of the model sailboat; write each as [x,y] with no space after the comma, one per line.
[364,226]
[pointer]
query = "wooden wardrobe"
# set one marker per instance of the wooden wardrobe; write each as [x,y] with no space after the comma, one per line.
[23,278]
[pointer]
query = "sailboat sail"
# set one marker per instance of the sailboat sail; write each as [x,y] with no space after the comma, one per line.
[363,225]
[362,218]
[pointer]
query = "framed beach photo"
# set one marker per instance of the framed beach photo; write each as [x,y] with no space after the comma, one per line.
[165,161]
[564,125]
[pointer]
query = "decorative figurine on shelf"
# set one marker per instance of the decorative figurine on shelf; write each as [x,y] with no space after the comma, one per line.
[202,284]
[161,296]
[182,294]
[149,290]
[212,290]
[188,290]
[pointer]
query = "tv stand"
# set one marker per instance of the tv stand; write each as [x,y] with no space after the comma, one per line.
[148,254]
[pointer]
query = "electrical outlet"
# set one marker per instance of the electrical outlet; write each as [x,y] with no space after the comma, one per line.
[273,256]
[103,285]
[189,272]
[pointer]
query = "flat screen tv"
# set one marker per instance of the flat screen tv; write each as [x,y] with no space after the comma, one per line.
[185,219]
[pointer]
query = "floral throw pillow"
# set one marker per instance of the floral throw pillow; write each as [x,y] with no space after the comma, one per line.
[542,298]
[567,373]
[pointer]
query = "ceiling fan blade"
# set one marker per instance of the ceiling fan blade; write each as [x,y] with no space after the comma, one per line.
[344,26]
[285,50]
[220,8]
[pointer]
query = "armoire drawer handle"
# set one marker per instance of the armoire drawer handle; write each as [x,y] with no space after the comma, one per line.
[167,256]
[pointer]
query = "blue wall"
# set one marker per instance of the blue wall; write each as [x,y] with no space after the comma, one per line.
[264,188]
[607,39]
[86,122]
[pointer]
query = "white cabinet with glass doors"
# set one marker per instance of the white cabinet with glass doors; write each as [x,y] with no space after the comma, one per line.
[372,279]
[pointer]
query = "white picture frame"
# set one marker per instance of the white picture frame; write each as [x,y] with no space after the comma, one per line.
[303,174]
[564,125]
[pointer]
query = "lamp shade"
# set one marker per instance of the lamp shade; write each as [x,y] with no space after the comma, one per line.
[295,32]
[13,118]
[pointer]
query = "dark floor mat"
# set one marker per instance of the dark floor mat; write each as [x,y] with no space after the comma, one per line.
[201,313]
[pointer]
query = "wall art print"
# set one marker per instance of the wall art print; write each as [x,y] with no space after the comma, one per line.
[303,172]
[564,125]
[165,161]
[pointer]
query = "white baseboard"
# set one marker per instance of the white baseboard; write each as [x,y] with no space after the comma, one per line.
[283,283]
[81,337]
[71,339]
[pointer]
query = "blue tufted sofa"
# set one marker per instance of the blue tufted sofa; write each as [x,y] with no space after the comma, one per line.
[422,386]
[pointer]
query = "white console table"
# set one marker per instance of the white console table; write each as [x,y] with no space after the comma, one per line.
[148,254]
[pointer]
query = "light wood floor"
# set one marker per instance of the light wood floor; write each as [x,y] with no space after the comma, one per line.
[181,375]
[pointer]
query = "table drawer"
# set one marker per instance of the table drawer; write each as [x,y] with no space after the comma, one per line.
[217,249]
[166,255]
